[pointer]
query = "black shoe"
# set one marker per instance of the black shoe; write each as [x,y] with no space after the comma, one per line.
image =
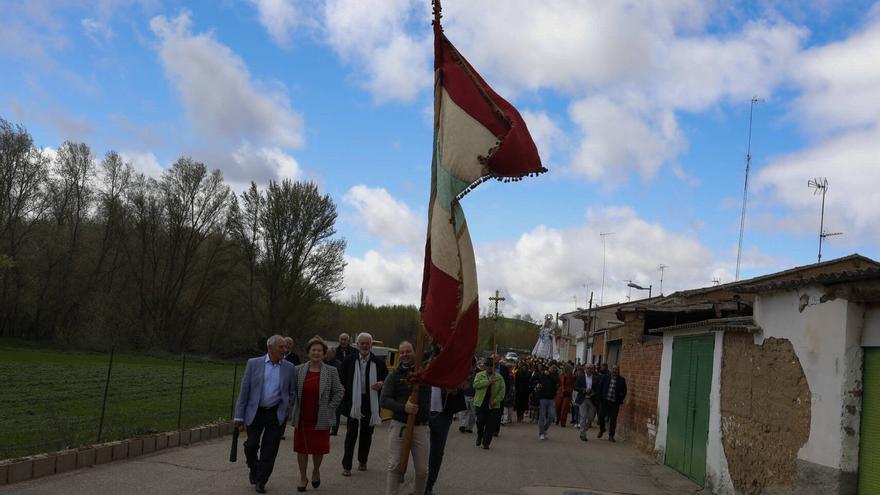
[485,447]
[584,436]
[252,477]
[462,429]
[601,432]
[261,488]
[611,439]
[316,483]
[300,488]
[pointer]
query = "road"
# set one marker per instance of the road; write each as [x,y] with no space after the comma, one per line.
[517,463]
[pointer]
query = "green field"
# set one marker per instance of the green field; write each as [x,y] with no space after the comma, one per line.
[51,399]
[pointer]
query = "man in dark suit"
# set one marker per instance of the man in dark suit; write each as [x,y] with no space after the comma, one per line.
[363,374]
[289,355]
[344,349]
[267,395]
[612,393]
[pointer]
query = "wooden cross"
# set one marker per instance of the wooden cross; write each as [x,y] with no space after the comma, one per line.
[496,300]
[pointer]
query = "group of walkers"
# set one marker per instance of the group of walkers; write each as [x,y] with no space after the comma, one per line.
[342,381]
[546,392]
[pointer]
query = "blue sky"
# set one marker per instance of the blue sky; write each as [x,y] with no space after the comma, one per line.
[640,111]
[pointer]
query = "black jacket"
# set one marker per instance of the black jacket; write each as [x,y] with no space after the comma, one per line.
[396,392]
[342,353]
[545,385]
[293,358]
[347,376]
[453,402]
[619,389]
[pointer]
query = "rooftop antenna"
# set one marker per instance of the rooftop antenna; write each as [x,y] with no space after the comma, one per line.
[628,290]
[820,184]
[742,220]
[661,267]
[602,291]
[716,281]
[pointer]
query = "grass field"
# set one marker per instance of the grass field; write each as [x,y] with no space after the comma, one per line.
[51,399]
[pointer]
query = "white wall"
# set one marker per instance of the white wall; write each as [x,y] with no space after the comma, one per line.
[819,336]
[717,471]
[871,330]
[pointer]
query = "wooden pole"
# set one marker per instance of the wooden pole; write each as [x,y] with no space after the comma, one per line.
[414,398]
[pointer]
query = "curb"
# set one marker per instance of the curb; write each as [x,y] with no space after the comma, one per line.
[42,465]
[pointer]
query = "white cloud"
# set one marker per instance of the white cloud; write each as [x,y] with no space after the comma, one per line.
[840,105]
[279,17]
[271,161]
[385,217]
[542,269]
[221,98]
[143,162]
[616,140]
[97,31]
[394,63]
[545,131]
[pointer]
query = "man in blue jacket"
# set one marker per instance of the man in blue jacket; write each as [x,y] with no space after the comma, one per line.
[267,395]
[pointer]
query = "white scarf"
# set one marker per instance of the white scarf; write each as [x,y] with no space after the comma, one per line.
[356,393]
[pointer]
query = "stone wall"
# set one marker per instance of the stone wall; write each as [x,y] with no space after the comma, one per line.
[765,412]
[640,365]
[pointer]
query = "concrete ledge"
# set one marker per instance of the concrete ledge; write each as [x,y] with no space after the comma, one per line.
[184,437]
[120,450]
[85,457]
[204,433]
[149,444]
[4,472]
[161,441]
[20,470]
[65,461]
[103,453]
[215,431]
[44,465]
[172,439]
[135,447]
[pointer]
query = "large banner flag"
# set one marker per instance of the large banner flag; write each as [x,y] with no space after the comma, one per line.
[478,135]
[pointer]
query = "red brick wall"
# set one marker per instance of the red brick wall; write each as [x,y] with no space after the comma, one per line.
[640,365]
[598,348]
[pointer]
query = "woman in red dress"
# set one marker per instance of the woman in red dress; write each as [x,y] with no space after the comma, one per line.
[319,393]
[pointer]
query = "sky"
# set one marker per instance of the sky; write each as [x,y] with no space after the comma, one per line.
[640,110]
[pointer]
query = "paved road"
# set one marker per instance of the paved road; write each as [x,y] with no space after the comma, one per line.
[518,463]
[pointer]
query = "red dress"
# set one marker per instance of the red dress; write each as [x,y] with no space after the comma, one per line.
[306,439]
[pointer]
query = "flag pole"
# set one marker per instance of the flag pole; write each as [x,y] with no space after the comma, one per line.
[414,398]
[420,340]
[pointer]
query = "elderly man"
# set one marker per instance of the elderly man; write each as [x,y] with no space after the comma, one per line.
[344,349]
[267,395]
[396,398]
[290,355]
[363,374]
[585,385]
[612,392]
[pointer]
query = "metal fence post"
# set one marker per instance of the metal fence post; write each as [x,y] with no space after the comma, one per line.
[180,402]
[104,401]
[232,402]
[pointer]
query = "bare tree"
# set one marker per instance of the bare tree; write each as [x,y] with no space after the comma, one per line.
[23,170]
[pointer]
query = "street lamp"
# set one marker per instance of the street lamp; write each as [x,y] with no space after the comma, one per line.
[639,287]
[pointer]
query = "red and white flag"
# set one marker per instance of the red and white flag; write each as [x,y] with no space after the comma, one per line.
[478,135]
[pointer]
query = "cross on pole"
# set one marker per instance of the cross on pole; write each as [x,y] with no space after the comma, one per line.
[497,299]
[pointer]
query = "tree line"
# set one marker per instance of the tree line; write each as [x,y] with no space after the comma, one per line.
[94,254]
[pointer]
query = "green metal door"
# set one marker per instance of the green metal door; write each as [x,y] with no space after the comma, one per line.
[689,388]
[869,450]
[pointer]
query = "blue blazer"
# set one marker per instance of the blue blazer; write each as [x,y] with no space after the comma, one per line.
[252,390]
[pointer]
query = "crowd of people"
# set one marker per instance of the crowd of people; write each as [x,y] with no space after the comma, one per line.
[352,381]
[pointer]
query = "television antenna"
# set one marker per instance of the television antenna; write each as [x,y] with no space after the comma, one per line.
[742,220]
[628,290]
[716,281]
[820,185]
[661,267]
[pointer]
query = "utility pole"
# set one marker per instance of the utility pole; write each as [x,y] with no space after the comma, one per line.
[602,291]
[742,220]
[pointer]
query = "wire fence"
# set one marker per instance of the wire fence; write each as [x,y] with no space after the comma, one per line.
[53,401]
